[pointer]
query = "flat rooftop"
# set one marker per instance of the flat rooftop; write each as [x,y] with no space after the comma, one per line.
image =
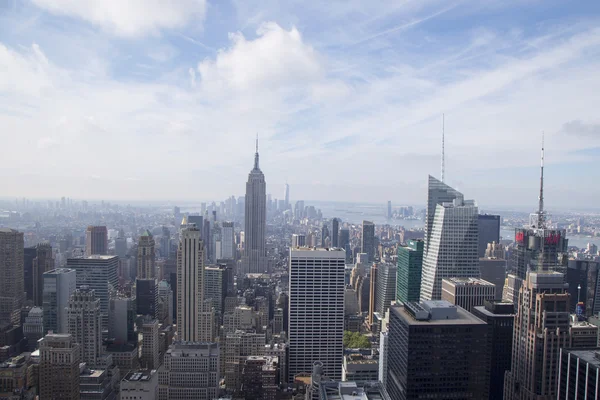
[143,375]
[463,317]
[468,282]
[591,356]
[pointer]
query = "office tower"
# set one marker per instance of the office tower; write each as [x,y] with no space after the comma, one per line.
[215,243]
[149,329]
[197,220]
[385,292]
[259,377]
[254,259]
[29,253]
[100,274]
[383,357]
[368,239]
[205,236]
[389,209]
[278,321]
[140,385]
[286,196]
[372,293]
[33,328]
[499,317]
[584,286]
[96,241]
[437,193]
[194,315]
[278,350]
[489,231]
[335,230]
[422,363]
[360,366]
[85,324]
[190,371]
[316,333]
[146,297]
[493,270]
[410,266]
[452,247]
[121,247]
[215,286]
[579,374]
[227,242]
[344,243]
[146,264]
[325,237]
[165,303]
[298,240]
[42,263]
[59,285]
[467,292]
[541,328]
[237,347]
[12,286]
[165,242]
[121,319]
[59,367]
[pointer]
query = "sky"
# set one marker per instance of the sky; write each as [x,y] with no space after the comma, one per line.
[153,100]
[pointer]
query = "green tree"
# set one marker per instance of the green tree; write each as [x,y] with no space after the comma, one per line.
[354,340]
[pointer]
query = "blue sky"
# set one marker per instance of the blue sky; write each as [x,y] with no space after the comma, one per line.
[155,100]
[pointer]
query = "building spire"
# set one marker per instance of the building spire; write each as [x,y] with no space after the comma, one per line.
[443,155]
[541,215]
[256,154]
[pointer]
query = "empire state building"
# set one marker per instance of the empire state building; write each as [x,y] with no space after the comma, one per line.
[254,259]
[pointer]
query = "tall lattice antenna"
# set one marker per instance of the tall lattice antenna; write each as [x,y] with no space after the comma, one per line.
[541,214]
[443,145]
[256,154]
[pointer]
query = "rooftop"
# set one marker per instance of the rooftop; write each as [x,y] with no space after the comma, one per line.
[468,281]
[591,356]
[435,312]
[140,375]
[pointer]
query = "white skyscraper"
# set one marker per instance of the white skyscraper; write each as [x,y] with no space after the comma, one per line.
[194,315]
[59,285]
[452,240]
[254,259]
[316,311]
[286,196]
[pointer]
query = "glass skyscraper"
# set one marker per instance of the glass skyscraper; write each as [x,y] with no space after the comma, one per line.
[410,266]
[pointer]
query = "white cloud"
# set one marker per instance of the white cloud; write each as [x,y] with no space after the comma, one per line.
[130,18]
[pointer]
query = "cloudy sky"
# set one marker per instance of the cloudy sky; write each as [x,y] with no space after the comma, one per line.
[157,100]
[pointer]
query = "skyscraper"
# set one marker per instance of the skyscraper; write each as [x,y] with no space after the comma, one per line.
[96,240]
[59,285]
[42,262]
[146,264]
[59,367]
[227,242]
[335,230]
[437,193]
[451,247]
[389,209]
[286,196]
[12,287]
[194,316]
[344,243]
[146,294]
[254,259]
[316,322]
[325,236]
[368,239]
[489,231]
[385,292]
[579,374]
[467,292]
[85,324]
[298,240]
[410,266]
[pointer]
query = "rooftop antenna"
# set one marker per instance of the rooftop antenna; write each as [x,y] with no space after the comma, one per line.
[443,155]
[541,215]
[256,154]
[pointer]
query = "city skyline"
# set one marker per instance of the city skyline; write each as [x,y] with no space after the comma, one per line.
[166,79]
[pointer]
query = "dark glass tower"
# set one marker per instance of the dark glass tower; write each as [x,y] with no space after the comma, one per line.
[489,231]
[335,227]
[410,266]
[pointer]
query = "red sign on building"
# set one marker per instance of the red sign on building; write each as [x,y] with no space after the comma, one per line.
[553,238]
[519,236]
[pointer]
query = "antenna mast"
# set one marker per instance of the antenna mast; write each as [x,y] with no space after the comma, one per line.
[443,155]
[541,214]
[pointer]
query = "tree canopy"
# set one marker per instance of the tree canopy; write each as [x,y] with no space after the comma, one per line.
[354,340]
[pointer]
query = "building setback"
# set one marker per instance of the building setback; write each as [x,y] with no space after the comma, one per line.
[467,292]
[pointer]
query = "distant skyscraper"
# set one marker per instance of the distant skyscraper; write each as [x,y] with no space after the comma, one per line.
[298,240]
[368,239]
[29,253]
[335,230]
[149,329]
[451,250]
[121,247]
[59,367]
[85,324]
[194,319]
[344,243]
[489,231]
[386,287]
[424,364]
[254,259]
[227,242]
[100,274]
[146,264]
[325,238]
[59,285]
[12,287]
[146,294]
[437,193]
[410,266]
[389,209]
[286,196]
[121,320]
[316,333]
[42,263]
[198,220]
[96,240]
[33,328]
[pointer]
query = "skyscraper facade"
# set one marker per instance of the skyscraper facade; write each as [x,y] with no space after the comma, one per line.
[325,237]
[286,196]
[146,264]
[467,292]
[43,261]
[368,239]
[59,367]
[96,240]
[437,193]
[451,250]
[227,242]
[146,294]
[489,231]
[194,320]
[254,259]
[85,324]
[12,286]
[335,230]
[59,285]
[298,240]
[316,309]
[385,292]
[410,266]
